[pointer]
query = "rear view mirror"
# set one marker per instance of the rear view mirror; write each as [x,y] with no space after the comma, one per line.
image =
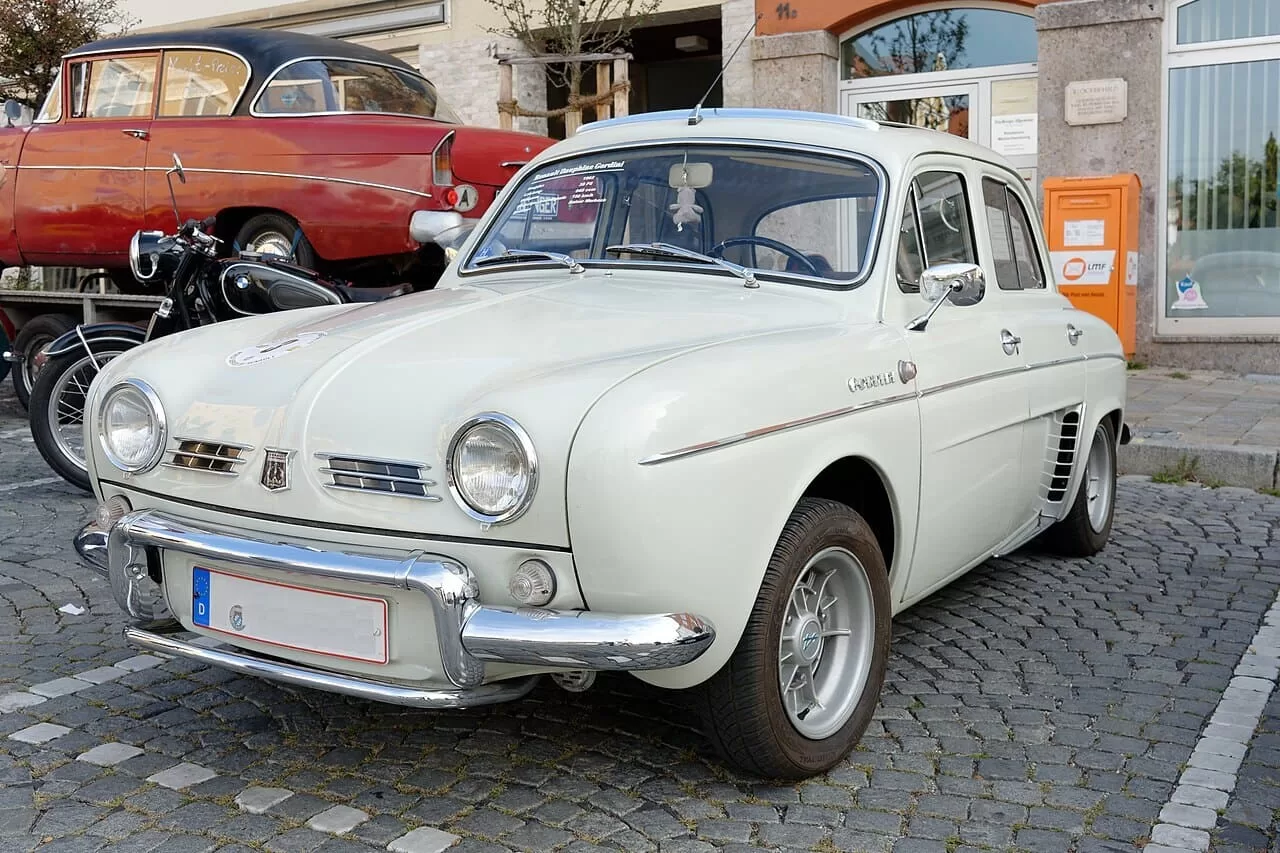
[696,175]
[959,284]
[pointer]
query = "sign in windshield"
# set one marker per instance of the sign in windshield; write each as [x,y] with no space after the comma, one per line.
[770,210]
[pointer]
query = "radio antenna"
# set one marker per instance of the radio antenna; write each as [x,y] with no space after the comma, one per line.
[696,117]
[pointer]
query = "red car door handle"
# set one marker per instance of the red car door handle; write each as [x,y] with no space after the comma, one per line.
[136,134]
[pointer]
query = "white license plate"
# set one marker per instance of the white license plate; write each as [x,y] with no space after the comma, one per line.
[353,627]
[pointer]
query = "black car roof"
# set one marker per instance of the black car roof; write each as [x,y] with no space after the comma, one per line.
[265,50]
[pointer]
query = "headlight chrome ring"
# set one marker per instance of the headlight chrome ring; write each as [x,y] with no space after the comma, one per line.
[520,440]
[152,401]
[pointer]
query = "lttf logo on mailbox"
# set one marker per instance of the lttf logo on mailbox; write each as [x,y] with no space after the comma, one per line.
[1093,267]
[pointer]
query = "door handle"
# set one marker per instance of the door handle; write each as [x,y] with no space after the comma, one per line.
[1009,341]
[136,134]
[1073,334]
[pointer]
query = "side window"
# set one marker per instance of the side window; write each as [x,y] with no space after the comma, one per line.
[910,255]
[1014,253]
[1027,256]
[201,83]
[51,111]
[120,87]
[79,88]
[937,227]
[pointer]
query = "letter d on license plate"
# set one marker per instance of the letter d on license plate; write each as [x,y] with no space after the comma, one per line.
[293,617]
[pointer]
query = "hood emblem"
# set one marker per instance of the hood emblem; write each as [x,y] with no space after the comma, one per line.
[275,470]
[272,349]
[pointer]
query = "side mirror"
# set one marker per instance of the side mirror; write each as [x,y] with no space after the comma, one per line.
[13,112]
[960,284]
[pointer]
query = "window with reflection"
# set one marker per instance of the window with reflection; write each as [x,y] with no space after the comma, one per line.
[940,40]
[1226,20]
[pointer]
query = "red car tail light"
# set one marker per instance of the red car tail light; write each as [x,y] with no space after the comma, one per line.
[442,162]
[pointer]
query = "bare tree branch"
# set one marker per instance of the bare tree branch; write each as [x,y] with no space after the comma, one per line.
[569,28]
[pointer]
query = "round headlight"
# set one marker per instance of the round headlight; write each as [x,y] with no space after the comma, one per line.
[492,468]
[131,426]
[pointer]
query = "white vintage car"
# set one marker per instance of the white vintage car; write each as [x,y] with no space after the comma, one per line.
[707,399]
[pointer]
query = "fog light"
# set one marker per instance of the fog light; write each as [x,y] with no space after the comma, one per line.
[533,584]
[112,510]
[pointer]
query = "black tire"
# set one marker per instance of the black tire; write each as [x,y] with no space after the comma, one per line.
[742,704]
[42,415]
[276,224]
[33,336]
[1077,535]
[4,347]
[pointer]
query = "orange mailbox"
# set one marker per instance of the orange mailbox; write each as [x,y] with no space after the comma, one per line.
[1092,227]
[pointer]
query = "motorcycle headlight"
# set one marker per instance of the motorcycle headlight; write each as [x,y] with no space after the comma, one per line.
[149,258]
[492,468]
[131,426]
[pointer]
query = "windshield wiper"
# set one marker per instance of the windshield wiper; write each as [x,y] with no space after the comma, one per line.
[667,250]
[524,255]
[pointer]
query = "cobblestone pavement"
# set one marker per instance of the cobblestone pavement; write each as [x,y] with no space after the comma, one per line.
[1037,704]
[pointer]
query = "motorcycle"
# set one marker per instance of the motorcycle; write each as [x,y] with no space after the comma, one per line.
[201,288]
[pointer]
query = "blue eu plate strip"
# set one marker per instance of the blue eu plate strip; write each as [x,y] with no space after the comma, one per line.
[200,596]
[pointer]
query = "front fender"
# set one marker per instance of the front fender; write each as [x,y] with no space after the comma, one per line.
[125,333]
[695,533]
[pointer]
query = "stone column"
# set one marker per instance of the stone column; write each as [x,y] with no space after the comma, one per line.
[797,71]
[737,18]
[1101,39]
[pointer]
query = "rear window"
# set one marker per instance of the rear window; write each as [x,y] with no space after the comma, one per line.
[318,86]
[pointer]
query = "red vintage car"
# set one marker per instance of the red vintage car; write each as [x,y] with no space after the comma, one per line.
[338,155]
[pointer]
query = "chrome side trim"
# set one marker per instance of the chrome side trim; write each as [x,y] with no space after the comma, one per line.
[257,173]
[247,663]
[773,428]
[346,181]
[728,441]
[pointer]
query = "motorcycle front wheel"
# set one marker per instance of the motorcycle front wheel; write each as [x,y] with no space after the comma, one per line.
[57,408]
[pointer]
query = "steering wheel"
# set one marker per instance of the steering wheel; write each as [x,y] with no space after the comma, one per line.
[943,204]
[769,243]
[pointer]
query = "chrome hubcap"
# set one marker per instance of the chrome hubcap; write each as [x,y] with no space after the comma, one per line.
[29,368]
[272,243]
[66,407]
[827,643]
[1099,482]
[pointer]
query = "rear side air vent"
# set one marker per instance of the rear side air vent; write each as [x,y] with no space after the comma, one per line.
[1060,456]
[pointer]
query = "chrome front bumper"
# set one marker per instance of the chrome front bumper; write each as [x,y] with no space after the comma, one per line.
[468,633]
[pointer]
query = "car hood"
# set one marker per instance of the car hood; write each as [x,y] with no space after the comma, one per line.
[395,380]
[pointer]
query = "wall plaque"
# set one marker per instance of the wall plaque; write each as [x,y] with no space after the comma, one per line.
[1097,101]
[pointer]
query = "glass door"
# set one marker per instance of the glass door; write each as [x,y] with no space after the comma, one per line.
[947,108]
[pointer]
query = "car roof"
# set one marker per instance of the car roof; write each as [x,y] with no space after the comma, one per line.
[265,50]
[888,143]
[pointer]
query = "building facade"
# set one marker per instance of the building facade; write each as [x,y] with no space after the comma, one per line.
[1183,93]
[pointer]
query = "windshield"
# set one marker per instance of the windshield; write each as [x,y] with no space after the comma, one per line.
[345,86]
[785,213]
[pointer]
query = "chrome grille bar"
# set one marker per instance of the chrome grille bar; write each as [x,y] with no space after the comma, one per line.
[214,457]
[371,475]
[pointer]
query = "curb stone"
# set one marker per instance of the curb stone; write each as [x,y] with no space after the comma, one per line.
[1244,465]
